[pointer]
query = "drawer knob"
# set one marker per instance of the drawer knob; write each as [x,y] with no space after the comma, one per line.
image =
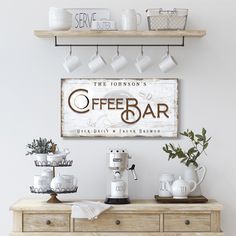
[187,222]
[48,222]
[117,222]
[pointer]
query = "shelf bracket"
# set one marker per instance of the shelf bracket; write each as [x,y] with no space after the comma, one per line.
[120,45]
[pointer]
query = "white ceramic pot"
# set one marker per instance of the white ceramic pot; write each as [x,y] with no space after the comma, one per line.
[41,183]
[191,174]
[58,183]
[54,159]
[118,188]
[164,178]
[48,173]
[180,189]
[42,158]
[59,19]
[71,181]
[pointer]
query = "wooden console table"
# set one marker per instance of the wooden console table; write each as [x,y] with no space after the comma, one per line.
[33,217]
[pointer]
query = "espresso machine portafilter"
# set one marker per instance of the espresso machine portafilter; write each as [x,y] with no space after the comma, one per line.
[118,171]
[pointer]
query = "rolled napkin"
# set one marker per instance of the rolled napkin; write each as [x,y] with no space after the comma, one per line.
[88,209]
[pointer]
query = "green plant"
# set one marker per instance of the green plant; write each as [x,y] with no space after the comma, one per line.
[40,146]
[199,145]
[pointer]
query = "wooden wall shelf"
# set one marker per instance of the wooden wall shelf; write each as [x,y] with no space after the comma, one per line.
[147,34]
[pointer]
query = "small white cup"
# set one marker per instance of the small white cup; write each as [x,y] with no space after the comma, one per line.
[164,178]
[71,63]
[168,63]
[96,63]
[143,63]
[118,62]
[70,181]
[41,183]
[118,188]
[48,173]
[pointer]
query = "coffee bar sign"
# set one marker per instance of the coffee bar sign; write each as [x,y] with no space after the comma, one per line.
[119,107]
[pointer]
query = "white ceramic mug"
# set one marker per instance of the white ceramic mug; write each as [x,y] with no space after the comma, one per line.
[164,178]
[118,188]
[41,183]
[143,63]
[118,62]
[70,181]
[168,63]
[96,63]
[71,63]
[130,19]
[48,173]
[41,158]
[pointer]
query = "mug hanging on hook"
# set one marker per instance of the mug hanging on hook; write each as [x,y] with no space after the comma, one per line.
[167,62]
[96,62]
[118,61]
[143,62]
[71,62]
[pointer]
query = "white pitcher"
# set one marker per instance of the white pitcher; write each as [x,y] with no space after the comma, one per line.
[130,19]
[191,174]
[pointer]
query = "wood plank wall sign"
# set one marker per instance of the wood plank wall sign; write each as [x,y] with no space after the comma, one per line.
[119,107]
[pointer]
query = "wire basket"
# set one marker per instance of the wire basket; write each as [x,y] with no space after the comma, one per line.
[57,190]
[159,19]
[62,163]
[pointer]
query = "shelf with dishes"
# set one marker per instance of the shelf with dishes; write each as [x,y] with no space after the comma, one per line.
[142,34]
[77,27]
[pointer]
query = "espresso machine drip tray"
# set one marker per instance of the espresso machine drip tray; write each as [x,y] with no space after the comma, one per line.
[117,201]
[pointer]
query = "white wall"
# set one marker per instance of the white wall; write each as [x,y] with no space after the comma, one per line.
[31,69]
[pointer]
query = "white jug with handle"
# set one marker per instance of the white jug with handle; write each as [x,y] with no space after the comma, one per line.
[130,19]
[191,173]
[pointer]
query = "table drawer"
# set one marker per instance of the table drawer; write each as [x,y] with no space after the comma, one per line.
[193,222]
[46,222]
[120,223]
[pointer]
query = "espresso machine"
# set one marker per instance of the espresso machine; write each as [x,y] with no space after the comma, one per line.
[118,176]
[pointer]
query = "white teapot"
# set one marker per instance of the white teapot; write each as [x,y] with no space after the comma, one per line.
[58,183]
[180,189]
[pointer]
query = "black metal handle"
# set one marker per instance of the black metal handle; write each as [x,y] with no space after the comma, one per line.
[48,222]
[117,222]
[187,222]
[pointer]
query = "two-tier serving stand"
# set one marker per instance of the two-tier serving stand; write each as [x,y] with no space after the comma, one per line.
[53,193]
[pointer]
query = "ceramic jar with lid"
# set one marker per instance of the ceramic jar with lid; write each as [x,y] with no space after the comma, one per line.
[59,19]
[180,189]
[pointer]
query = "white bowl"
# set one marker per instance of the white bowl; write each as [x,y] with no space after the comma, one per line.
[60,25]
[56,9]
[54,159]
[59,19]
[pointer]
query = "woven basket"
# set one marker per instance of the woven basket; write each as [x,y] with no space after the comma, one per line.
[159,19]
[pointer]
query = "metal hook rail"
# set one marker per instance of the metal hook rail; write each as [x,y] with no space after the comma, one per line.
[119,45]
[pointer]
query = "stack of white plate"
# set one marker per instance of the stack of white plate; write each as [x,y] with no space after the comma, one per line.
[59,19]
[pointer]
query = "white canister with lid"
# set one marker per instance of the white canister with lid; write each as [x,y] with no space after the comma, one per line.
[164,179]
[48,173]
[58,183]
[41,183]
[59,19]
